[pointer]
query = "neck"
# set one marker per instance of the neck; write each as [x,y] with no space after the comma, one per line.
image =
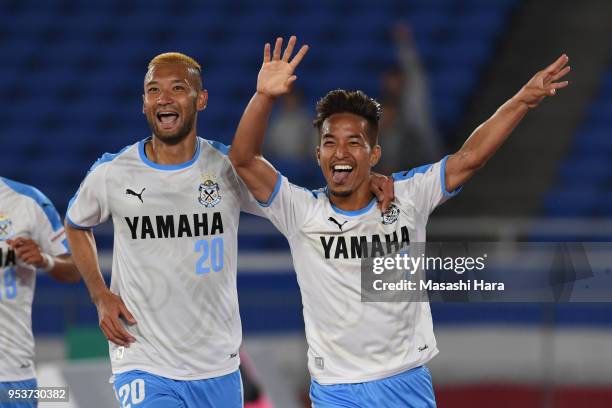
[162,153]
[358,199]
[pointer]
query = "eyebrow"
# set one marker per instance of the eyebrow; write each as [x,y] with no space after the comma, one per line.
[182,81]
[353,136]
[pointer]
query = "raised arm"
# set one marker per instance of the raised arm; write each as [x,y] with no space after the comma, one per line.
[110,306]
[489,136]
[275,79]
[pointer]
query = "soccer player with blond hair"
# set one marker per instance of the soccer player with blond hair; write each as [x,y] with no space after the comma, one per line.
[171,312]
[361,354]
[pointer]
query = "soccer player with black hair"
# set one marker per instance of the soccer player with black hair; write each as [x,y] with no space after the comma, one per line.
[361,354]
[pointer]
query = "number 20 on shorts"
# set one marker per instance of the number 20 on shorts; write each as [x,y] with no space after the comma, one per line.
[211,255]
[132,393]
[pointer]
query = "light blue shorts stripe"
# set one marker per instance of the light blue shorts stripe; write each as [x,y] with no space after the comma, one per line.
[412,388]
[139,389]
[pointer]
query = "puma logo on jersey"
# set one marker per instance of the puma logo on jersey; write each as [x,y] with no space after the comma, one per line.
[423,348]
[332,219]
[129,191]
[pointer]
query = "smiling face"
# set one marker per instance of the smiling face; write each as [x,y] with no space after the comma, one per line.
[172,97]
[345,154]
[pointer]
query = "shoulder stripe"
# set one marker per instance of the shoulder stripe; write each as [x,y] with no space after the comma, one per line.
[405,175]
[219,146]
[40,199]
[315,193]
[107,157]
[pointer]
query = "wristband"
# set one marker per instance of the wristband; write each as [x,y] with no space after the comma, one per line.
[50,262]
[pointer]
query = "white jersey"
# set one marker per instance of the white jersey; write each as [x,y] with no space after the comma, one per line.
[24,212]
[174,256]
[350,341]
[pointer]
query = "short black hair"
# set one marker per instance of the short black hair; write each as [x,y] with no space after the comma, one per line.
[355,102]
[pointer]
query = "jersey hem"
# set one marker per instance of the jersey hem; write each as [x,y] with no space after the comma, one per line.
[172,376]
[374,377]
[446,193]
[77,226]
[24,377]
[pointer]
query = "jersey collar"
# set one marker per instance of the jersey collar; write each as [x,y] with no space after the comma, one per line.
[356,212]
[145,159]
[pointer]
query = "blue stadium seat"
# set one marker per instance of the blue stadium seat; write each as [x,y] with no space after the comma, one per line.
[587,173]
[576,202]
[80,65]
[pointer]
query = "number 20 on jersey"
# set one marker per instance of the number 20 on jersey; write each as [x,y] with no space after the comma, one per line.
[211,255]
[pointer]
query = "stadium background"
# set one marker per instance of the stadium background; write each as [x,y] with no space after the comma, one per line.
[71,89]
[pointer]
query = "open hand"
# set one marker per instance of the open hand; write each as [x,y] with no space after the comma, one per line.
[544,83]
[276,74]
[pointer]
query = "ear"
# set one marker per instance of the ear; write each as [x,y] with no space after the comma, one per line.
[375,155]
[143,103]
[202,100]
[319,156]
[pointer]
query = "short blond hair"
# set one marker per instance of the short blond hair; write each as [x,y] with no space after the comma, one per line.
[175,58]
[178,58]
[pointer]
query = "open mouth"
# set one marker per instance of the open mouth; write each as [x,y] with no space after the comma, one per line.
[341,173]
[167,119]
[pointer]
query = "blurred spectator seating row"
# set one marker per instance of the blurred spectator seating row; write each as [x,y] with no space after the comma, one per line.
[73,70]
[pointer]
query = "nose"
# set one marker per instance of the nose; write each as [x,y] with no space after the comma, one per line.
[164,98]
[340,151]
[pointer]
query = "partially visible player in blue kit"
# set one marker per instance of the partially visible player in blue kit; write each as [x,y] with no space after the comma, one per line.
[31,237]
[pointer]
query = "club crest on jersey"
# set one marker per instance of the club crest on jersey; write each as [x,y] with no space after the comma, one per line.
[6,227]
[209,192]
[391,215]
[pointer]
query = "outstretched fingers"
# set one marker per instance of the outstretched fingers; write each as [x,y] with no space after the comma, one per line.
[560,74]
[291,80]
[299,56]
[558,85]
[553,73]
[556,66]
[266,53]
[277,49]
[289,49]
